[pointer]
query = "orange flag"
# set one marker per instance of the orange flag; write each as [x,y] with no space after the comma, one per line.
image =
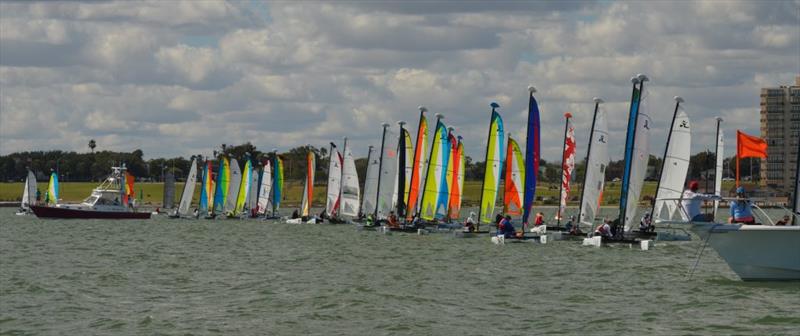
[750,146]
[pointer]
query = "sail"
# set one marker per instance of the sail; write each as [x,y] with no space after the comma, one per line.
[251,204]
[52,190]
[641,155]
[494,164]
[720,153]
[334,183]
[265,189]
[128,193]
[596,165]
[567,167]
[277,184]
[308,185]
[417,174]
[223,180]
[188,190]
[233,187]
[514,177]
[457,184]
[350,188]
[431,206]
[169,191]
[244,187]
[675,168]
[29,192]
[371,183]
[452,146]
[388,174]
[202,205]
[532,154]
[405,151]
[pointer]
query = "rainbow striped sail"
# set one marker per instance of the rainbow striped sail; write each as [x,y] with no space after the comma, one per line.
[244,187]
[206,191]
[404,170]
[221,192]
[414,186]
[532,153]
[51,197]
[459,166]
[277,184]
[514,179]
[308,186]
[434,197]
[494,162]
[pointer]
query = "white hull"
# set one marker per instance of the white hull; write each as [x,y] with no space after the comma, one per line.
[756,252]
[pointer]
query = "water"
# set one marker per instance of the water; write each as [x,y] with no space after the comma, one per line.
[250,277]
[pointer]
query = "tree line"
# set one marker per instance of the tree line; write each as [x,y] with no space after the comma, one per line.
[94,166]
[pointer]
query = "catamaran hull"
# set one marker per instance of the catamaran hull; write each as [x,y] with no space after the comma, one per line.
[64,213]
[756,252]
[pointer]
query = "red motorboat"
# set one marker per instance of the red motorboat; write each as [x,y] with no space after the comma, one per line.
[107,201]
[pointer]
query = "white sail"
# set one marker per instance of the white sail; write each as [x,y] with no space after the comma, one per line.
[266,189]
[350,188]
[641,154]
[29,194]
[334,183]
[371,183]
[388,175]
[718,168]
[675,168]
[188,190]
[252,195]
[233,186]
[595,170]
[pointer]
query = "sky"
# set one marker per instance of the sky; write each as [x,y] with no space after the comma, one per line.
[179,78]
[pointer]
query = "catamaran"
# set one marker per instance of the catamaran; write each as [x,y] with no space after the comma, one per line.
[350,190]
[304,212]
[28,194]
[188,192]
[112,199]
[494,163]
[596,163]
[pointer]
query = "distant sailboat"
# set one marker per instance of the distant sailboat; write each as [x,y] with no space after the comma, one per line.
[567,166]
[457,190]
[206,189]
[596,164]
[277,184]
[251,204]
[308,185]
[387,176]
[28,194]
[405,154]
[233,188]
[636,156]
[51,197]
[674,167]
[434,197]
[350,192]
[415,187]
[244,188]
[532,155]
[370,183]
[188,191]
[169,191]
[334,182]
[221,191]
[493,167]
[265,189]
[720,157]
[514,179]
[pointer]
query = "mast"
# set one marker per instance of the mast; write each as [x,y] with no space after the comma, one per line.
[678,101]
[401,172]
[494,106]
[633,122]
[380,172]
[567,115]
[414,171]
[439,117]
[369,157]
[597,102]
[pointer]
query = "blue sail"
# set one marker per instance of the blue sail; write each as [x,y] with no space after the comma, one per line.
[532,154]
[203,206]
[634,112]
[444,191]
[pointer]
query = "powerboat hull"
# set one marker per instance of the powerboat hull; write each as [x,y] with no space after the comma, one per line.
[66,213]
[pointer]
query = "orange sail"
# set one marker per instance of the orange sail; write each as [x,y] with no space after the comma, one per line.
[415,189]
[457,156]
[514,179]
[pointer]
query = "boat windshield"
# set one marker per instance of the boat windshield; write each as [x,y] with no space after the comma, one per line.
[90,199]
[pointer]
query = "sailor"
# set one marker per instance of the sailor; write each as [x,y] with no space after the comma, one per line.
[691,201]
[196,213]
[539,219]
[469,224]
[570,224]
[370,220]
[38,196]
[416,222]
[392,220]
[295,214]
[785,221]
[604,230]
[506,228]
[741,208]
[646,224]
[498,219]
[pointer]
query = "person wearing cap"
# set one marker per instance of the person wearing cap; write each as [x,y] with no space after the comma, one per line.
[692,200]
[469,224]
[741,208]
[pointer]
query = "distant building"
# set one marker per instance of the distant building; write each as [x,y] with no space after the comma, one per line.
[780,127]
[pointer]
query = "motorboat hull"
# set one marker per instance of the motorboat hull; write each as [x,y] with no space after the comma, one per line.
[66,213]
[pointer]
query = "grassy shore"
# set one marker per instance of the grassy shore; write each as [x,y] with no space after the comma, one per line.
[547,193]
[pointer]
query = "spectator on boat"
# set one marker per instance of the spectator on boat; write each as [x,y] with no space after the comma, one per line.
[646,224]
[469,224]
[392,220]
[785,221]
[604,230]
[692,200]
[506,228]
[742,208]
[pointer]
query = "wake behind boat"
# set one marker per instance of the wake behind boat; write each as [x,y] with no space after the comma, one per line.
[112,199]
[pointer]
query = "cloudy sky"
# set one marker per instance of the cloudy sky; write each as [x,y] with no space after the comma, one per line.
[179,78]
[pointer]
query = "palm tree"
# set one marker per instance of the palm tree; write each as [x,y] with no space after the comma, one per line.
[92,145]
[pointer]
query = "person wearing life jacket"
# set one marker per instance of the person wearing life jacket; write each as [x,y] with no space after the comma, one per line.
[742,208]
[469,224]
[506,228]
[539,220]
[691,201]
[391,221]
[604,230]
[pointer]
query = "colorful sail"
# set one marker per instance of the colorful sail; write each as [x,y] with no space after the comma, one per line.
[514,179]
[308,185]
[405,153]
[434,199]
[188,189]
[244,187]
[371,182]
[223,181]
[596,164]
[457,186]
[334,182]
[52,190]
[387,180]
[674,169]
[450,171]
[629,153]
[419,162]
[233,188]
[494,164]
[205,189]
[532,154]
[277,185]
[567,165]
[265,189]
[350,189]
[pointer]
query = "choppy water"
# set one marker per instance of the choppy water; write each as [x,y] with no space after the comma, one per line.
[251,277]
